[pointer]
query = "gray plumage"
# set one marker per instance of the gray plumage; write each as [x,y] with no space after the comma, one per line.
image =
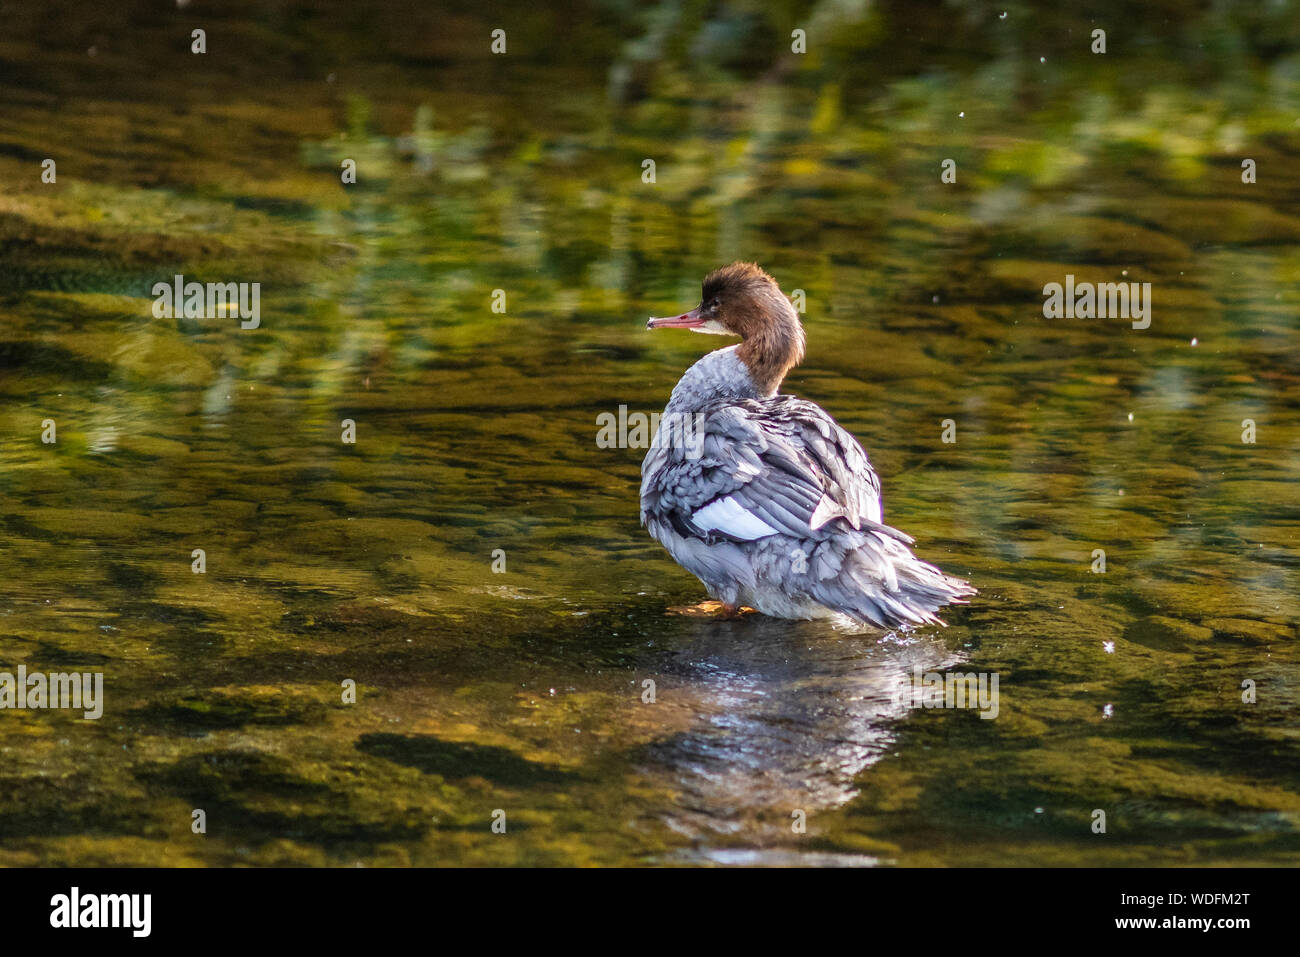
[771,504]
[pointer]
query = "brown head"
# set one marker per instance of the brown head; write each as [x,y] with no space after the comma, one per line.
[742,300]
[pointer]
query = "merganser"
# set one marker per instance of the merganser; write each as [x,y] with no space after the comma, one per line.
[771,504]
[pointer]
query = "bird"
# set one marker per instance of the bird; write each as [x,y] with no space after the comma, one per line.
[763,496]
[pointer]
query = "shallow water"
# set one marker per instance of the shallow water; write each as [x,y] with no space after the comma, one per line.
[522,690]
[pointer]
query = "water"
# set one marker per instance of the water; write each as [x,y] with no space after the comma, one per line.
[522,691]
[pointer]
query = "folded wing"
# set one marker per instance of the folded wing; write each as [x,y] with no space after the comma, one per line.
[762,467]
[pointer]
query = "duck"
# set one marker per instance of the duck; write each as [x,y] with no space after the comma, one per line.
[763,496]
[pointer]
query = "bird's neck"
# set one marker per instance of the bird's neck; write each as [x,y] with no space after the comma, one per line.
[775,348]
[719,375]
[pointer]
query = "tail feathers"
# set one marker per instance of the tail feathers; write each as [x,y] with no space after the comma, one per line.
[909,591]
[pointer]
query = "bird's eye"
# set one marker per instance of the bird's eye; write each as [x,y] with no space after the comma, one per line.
[711,305]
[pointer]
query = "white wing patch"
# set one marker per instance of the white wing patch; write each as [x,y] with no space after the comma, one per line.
[728,516]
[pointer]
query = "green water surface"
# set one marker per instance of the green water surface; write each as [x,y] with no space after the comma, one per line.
[521,690]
